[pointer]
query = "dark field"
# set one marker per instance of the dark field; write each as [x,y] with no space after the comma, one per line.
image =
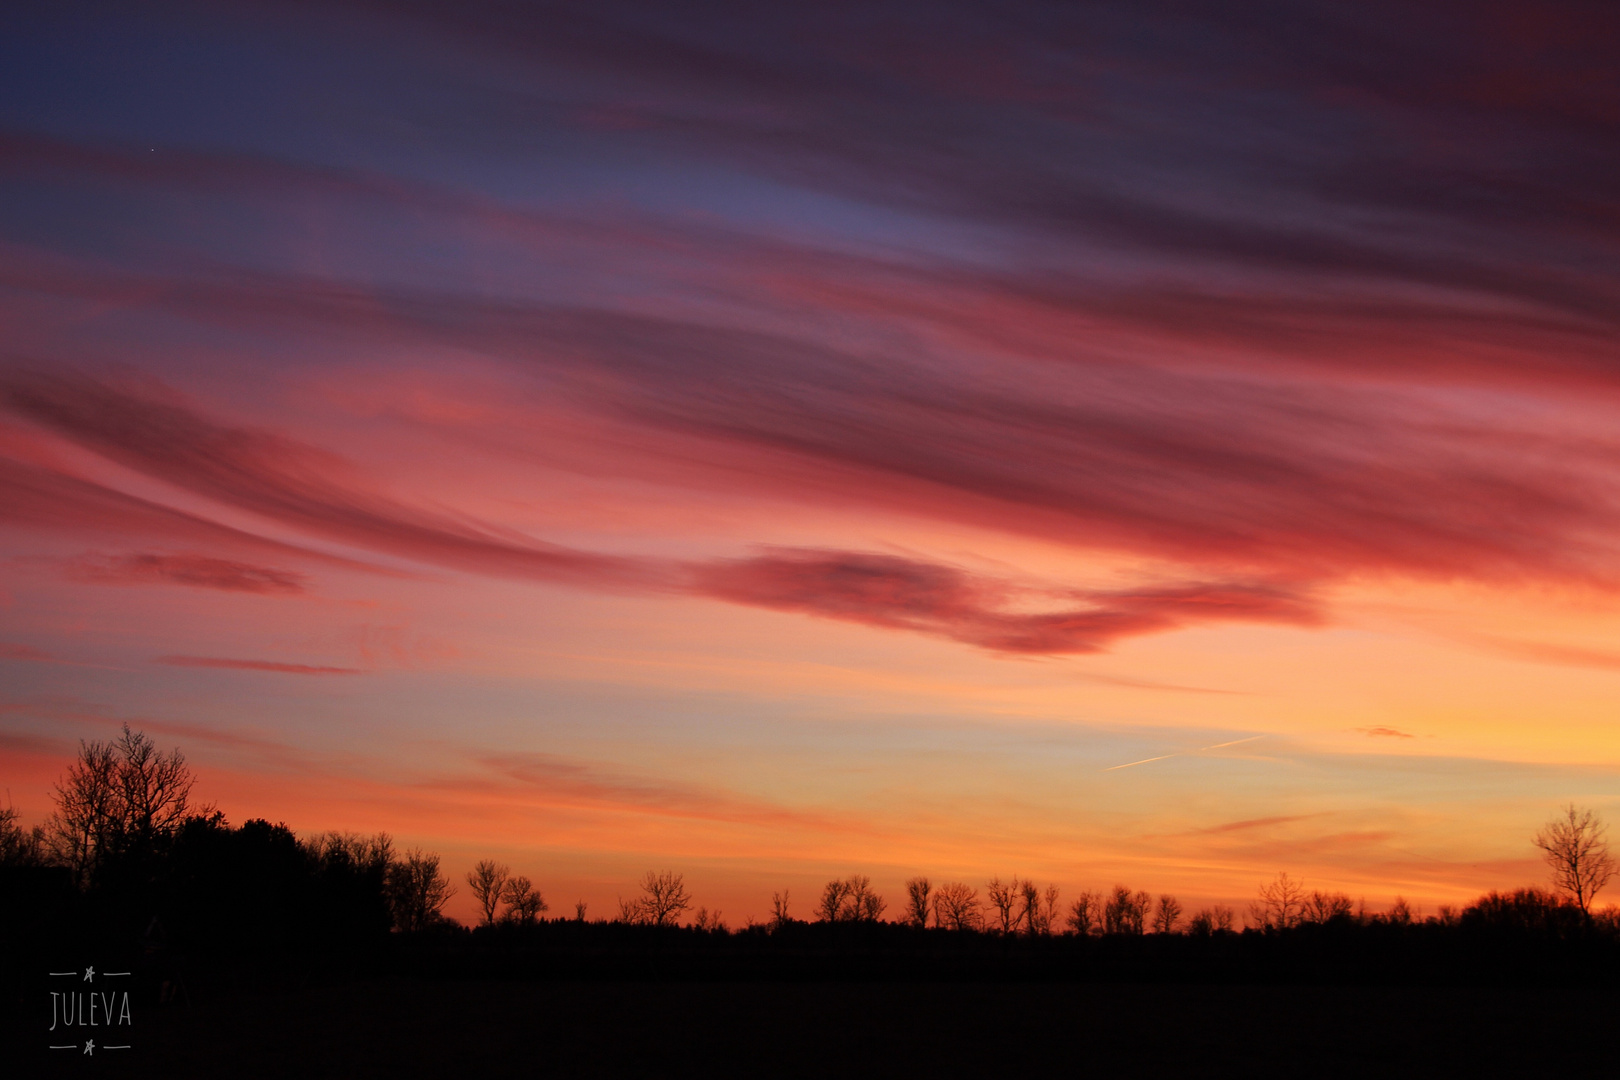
[826,1029]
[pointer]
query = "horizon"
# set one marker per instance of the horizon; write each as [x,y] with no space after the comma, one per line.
[1073,444]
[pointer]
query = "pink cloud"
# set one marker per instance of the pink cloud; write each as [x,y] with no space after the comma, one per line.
[255,665]
[11,650]
[200,571]
[1256,823]
[300,486]
[884,590]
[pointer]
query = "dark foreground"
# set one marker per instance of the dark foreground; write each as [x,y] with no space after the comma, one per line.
[455,1028]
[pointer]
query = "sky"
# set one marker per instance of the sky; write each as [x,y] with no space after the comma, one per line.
[1163,444]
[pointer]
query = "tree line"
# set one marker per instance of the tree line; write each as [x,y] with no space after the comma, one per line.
[126,830]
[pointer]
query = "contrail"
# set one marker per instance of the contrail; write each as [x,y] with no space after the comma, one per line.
[1200,750]
[1234,742]
[1144,761]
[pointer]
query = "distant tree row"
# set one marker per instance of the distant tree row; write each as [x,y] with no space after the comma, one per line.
[124,821]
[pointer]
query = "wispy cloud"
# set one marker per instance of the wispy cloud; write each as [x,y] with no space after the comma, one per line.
[562,779]
[299,486]
[200,571]
[1257,823]
[12,650]
[256,665]
[1548,652]
[884,590]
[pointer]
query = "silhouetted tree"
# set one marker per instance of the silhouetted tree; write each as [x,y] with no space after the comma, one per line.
[1321,907]
[1049,908]
[1116,910]
[1125,912]
[1575,844]
[663,898]
[1211,919]
[351,881]
[1399,913]
[417,891]
[351,850]
[1524,911]
[1085,913]
[956,906]
[831,906]
[1281,905]
[118,798]
[779,909]
[918,902]
[523,901]
[1038,910]
[707,920]
[1167,915]
[19,846]
[864,901]
[850,900]
[1004,901]
[579,910]
[488,881]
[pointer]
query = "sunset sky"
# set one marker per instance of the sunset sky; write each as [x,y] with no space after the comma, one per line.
[1164,445]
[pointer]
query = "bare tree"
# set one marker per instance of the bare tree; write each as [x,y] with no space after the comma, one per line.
[362,854]
[1575,844]
[579,910]
[118,798]
[850,900]
[19,846]
[663,897]
[1399,913]
[1037,910]
[864,902]
[417,890]
[1217,917]
[1142,902]
[523,901]
[1281,905]
[488,880]
[1321,907]
[1048,910]
[1125,912]
[779,909]
[956,906]
[1117,911]
[89,815]
[155,788]
[1085,913]
[707,920]
[1004,901]
[1167,915]
[831,907]
[917,902]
